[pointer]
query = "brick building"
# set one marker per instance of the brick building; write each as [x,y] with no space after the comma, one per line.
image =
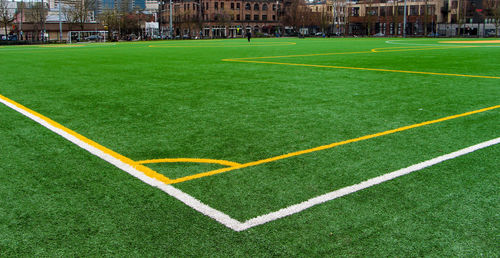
[381,17]
[222,18]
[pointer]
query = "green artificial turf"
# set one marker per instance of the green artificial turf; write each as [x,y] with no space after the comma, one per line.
[179,99]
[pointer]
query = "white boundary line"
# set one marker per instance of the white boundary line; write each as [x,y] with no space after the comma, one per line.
[226,219]
[169,189]
[368,183]
[402,42]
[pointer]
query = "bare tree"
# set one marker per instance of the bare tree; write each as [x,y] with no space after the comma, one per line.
[339,14]
[296,14]
[37,14]
[395,17]
[369,16]
[7,15]
[426,16]
[324,19]
[79,11]
[111,20]
[223,19]
[493,11]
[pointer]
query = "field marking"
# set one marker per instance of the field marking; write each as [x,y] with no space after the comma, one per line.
[141,172]
[346,53]
[304,55]
[191,160]
[404,49]
[405,42]
[471,41]
[365,69]
[52,48]
[131,168]
[76,137]
[324,147]
[374,50]
[60,46]
[242,44]
[363,185]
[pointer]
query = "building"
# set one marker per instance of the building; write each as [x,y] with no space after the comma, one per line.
[222,18]
[370,17]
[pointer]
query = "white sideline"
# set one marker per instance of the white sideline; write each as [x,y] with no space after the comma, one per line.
[368,183]
[402,42]
[226,219]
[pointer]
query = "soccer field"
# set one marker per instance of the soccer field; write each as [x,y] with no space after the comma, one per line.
[289,147]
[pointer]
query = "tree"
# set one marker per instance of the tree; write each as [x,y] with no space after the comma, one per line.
[296,14]
[368,17]
[493,11]
[37,14]
[79,11]
[111,20]
[395,17]
[324,19]
[223,20]
[7,15]
[339,15]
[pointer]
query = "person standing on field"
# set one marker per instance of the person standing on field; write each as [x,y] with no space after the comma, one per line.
[249,35]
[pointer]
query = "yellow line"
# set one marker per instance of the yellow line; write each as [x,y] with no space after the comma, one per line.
[147,171]
[383,50]
[366,69]
[375,50]
[323,54]
[328,146]
[229,45]
[210,161]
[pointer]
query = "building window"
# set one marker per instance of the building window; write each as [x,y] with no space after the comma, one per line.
[430,9]
[247,17]
[237,17]
[274,17]
[207,6]
[237,6]
[264,7]
[247,6]
[355,11]
[222,5]
[414,10]
[232,6]
[256,7]
[216,5]
[256,17]
[264,17]
[401,10]
[274,7]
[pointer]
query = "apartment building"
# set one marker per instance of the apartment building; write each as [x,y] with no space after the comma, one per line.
[222,18]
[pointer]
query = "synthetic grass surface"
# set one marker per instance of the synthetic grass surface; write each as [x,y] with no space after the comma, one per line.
[153,100]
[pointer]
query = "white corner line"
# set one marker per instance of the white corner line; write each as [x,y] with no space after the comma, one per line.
[363,185]
[225,219]
[169,189]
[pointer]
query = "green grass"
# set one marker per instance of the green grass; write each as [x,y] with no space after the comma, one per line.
[184,102]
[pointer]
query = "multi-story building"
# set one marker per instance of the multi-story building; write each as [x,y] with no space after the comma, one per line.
[222,18]
[368,17]
[332,11]
[423,17]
